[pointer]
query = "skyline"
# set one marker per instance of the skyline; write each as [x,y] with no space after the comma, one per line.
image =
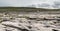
[23,3]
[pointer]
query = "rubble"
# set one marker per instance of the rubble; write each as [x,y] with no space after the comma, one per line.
[25,22]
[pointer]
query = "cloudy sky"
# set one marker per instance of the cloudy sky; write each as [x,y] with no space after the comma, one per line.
[36,3]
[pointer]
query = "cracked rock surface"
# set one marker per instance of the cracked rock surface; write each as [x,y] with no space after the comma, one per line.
[28,22]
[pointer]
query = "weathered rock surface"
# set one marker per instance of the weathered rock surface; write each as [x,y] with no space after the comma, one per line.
[29,22]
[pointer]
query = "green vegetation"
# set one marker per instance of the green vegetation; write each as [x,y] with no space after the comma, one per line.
[24,9]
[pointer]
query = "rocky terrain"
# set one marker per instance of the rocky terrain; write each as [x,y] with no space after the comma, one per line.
[23,21]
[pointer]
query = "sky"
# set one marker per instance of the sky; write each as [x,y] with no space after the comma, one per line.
[36,3]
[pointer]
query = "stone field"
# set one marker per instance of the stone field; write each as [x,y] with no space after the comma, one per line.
[23,21]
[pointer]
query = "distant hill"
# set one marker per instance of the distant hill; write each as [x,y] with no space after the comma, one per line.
[26,9]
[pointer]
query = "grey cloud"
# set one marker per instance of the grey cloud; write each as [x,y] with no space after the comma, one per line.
[31,3]
[39,5]
[44,5]
[56,4]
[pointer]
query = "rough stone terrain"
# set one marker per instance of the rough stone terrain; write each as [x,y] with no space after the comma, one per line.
[29,22]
